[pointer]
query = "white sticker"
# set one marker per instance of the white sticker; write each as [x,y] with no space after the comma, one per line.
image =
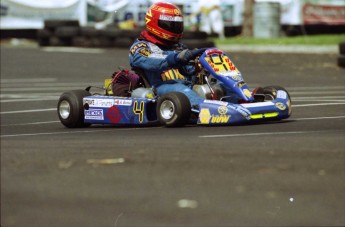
[123,102]
[94,114]
[257,104]
[281,94]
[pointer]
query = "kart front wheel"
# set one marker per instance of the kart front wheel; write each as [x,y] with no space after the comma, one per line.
[70,109]
[173,109]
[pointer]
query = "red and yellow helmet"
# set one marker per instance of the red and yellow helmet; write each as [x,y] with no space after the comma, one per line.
[165,20]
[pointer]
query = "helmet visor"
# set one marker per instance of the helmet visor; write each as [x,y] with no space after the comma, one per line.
[172,24]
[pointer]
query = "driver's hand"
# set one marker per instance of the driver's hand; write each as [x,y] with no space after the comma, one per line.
[186,55]
[197,52]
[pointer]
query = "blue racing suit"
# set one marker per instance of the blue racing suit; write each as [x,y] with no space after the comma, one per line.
[161,71]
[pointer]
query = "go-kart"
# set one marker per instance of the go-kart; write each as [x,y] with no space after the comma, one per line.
[139,104]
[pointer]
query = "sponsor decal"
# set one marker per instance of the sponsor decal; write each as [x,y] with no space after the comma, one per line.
[204,116]
[166,10]
[172,74]
[241,84]
[222,110]
[247,92]
[281,94]
[104,102]
[236,77]
[280,106]
[114,114]
[122,102]
[243,111]
[323,14]
[99,102]
[214,51]
[171,18]
[137,46]
[144,52]
[220,119]
[90,102]
[94,114]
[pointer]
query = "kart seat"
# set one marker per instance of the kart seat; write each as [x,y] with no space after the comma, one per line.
[142,76]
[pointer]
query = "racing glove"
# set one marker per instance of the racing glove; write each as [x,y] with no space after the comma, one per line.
[184,56]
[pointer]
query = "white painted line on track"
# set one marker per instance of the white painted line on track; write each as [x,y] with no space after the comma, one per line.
[323,100]
[264,134]
[205,136]
[29,80]
[22,89]
[293,119]
[28,111]
[73,132]
[319,97]
[54,133]
[32,123]
[316,118]
[30,100]
[316,92]
[318,104]
[328,88]
[74,50]
[54,109]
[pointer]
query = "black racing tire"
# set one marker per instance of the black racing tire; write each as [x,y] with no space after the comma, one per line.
[271,92]
[123,42]
[112,32]
[132,34]
[67,31]
[342,48]
[341,61]
[43,36]
[55,41]
[89,32]
[53,24]
[173,109]
[70,108]
[81,41]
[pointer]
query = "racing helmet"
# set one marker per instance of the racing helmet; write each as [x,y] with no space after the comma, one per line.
[165,21]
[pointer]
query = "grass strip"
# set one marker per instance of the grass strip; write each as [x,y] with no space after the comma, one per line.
[295,40]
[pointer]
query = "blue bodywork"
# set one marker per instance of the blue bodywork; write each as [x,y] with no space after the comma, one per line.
[142,111]
[119,110]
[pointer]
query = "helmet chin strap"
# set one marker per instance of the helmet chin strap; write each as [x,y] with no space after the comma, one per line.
[145,35]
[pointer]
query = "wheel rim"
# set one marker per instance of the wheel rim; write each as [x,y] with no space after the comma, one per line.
[167,109]
[64,109]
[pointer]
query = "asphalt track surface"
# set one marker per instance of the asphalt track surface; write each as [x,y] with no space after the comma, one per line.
[288,173]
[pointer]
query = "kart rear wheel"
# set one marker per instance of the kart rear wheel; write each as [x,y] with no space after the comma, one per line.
[173,109]
[271,93]
[70,109]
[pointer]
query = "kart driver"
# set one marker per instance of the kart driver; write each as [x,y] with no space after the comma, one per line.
[158,54]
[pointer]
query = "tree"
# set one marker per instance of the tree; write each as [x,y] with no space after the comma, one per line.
[247,26]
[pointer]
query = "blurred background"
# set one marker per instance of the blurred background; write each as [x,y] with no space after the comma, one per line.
[259,18]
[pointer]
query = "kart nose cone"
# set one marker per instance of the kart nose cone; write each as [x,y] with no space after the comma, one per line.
[64,109]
